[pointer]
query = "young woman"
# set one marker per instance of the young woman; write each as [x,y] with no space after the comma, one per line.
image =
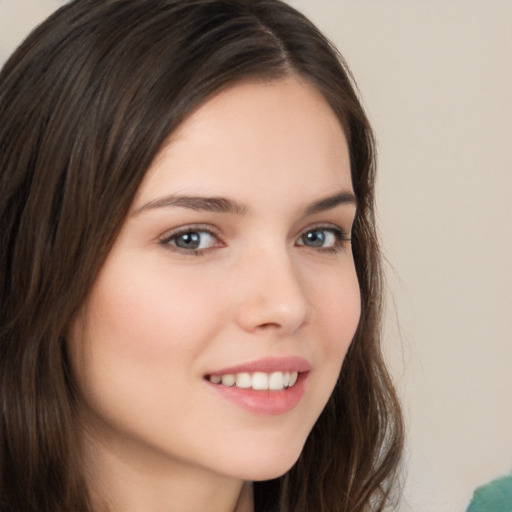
[190,279]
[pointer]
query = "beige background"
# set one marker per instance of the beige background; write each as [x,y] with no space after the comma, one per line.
[436,78]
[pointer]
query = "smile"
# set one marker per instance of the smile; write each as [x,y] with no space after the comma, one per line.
[259,381]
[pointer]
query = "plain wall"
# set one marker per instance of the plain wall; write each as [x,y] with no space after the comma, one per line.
[436,78]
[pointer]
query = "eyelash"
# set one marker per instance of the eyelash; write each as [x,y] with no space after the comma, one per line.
[341,239]
[166,241]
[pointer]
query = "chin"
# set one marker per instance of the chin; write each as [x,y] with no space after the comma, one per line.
[268,465]
[270,473]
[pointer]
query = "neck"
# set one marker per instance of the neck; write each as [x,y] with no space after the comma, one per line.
[246,499]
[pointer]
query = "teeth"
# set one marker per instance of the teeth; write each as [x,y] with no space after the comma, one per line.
[243,380]
[258,380]
[276,381]
[228,380]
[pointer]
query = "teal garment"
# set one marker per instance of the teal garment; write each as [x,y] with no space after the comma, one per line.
[495,496]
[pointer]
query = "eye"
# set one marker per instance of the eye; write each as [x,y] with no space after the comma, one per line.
[326,238]
[193,240]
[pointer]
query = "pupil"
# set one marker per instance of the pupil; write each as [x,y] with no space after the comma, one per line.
[188,241]
[315,238]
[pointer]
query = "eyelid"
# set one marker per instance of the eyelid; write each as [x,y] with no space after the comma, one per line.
[166,238]
[327,226]
[342,236]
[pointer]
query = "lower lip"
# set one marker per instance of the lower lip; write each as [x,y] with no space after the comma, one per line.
[264,402]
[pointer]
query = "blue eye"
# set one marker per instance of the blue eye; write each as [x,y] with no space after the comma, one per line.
[323,238]
[192,240]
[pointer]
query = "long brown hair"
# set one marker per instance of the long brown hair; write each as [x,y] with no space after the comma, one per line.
[86,103]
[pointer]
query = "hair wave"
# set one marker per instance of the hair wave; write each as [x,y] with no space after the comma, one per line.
[86,103]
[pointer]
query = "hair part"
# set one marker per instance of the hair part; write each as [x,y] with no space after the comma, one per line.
[86,103]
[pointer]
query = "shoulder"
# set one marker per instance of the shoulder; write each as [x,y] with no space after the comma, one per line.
[496,496]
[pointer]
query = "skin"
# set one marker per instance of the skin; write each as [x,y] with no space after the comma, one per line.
[157,435]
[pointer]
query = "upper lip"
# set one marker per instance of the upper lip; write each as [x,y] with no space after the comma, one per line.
[268,365]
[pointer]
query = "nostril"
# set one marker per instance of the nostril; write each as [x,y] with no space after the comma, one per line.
[270,325]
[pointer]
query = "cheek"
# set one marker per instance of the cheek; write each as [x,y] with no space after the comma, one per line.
[137,338]
[338,310]
[150,314]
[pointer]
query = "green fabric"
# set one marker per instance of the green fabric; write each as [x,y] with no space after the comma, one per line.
[496,496]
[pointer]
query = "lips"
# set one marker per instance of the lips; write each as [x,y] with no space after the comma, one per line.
[268,365]
[266,386]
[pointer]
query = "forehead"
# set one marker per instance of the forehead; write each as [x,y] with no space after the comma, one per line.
[254,134]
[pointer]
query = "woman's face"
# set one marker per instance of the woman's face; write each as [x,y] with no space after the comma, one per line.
[232,273]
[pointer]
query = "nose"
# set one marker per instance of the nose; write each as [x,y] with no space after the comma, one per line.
[273,295]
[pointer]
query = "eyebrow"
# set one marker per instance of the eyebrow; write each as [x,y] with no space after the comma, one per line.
[225,205]
[328,203]
[199,203]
